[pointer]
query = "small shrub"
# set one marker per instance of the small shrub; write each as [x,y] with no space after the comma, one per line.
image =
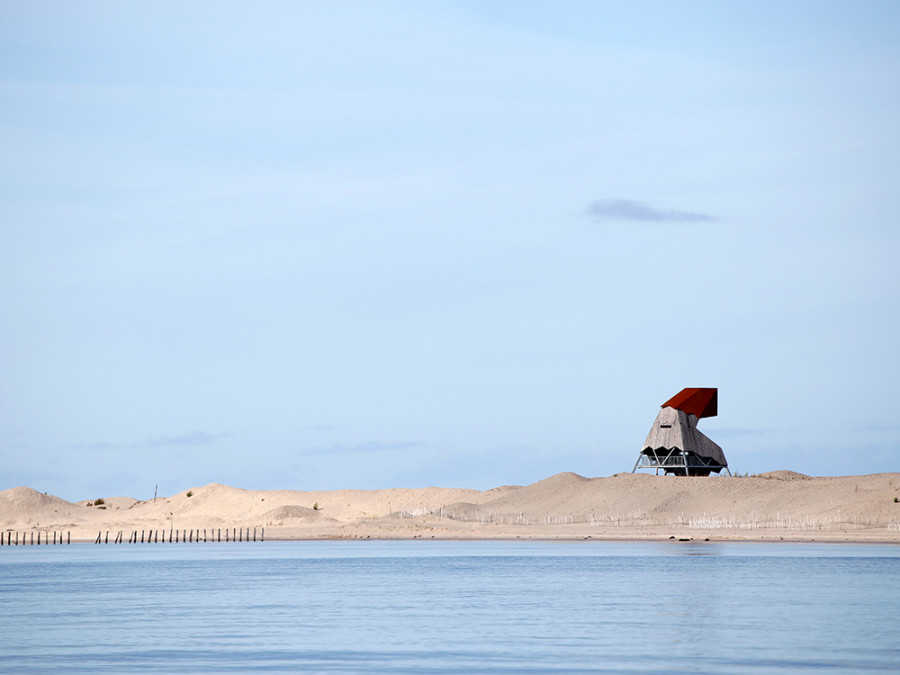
[189,493]
[897,500]
[316,506]
[98,502]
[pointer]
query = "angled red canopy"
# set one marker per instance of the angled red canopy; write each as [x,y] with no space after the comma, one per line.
[697,401]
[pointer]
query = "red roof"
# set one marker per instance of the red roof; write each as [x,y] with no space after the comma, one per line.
[698,401]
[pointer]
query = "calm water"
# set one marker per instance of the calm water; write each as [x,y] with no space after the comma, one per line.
[450,607]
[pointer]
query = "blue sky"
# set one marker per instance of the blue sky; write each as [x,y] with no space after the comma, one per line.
[362,245]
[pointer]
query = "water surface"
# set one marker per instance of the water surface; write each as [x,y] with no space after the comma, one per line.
[450,607]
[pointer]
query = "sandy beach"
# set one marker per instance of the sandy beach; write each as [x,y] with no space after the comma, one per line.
[775,506]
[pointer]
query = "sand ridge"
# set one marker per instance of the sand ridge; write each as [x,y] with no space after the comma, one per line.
[776,505]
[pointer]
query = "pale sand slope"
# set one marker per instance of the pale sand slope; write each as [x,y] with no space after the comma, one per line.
[780,504]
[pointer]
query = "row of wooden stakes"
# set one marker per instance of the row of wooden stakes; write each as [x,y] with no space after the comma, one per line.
[182,536]
[38,537]
[6,538]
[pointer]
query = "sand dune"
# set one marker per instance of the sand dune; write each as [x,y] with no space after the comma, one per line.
[777,505]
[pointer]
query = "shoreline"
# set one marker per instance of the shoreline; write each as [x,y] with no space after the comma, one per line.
[364,532]
[828,539]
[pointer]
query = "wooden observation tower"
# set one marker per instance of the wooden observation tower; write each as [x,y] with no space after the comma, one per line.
[675,445]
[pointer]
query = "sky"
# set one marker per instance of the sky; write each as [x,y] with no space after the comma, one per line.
[326,245]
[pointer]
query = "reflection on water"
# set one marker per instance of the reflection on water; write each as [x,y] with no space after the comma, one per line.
[698,548]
